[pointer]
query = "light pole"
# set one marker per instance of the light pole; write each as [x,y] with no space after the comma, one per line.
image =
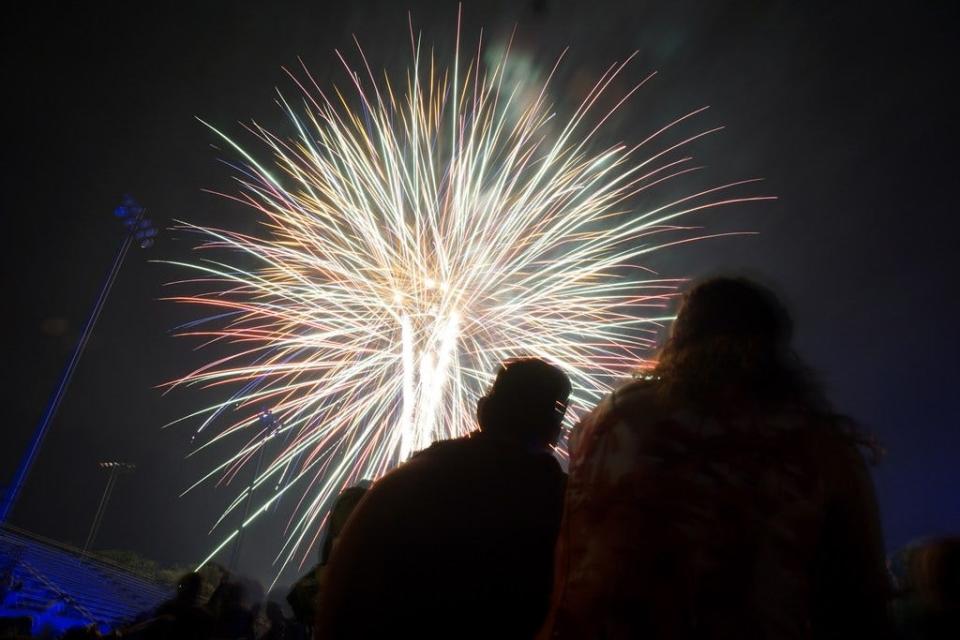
[140,230]
[114,469]
[269,424]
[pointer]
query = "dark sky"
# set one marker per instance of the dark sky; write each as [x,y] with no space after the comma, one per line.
[844,109]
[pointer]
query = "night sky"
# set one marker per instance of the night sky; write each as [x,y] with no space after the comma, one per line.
[846,111]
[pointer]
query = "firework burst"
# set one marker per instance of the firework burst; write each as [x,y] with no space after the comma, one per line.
[415,237]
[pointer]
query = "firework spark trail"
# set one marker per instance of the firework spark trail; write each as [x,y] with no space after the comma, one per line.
[410,247]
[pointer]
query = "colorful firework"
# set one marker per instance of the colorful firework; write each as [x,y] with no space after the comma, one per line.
[413,239]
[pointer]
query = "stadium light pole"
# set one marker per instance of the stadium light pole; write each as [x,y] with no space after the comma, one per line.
[114,469]
[270,425]
[140,230]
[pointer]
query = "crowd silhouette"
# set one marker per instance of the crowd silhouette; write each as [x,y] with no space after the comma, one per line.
[716,495]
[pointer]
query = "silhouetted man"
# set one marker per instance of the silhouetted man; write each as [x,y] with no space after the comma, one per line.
[458,541]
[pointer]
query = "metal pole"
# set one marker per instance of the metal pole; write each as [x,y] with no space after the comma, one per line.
[101,509]
[26,463]
[271,426]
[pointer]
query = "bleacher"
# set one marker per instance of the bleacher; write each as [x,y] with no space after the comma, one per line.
[59,586]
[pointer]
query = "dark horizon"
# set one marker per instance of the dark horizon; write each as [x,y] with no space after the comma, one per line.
[844,111]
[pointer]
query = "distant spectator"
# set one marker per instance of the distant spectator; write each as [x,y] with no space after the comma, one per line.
[305,594]
[928,605]
[89,632]
[193,621]
[235,616]
[180,617]
[278,626]
[10,585]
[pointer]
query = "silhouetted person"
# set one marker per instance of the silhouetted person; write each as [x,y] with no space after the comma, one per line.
[234,619]
[305,593]
[9,585]
[88,632]
[718,496]
[278,623]
[180,617]
[458,541]
[928,607]
[213,575]
[187,596]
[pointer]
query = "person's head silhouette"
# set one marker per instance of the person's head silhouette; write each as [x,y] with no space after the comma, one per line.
[733,309]
[188,587]
[346,502]
[732,335]
[526,404]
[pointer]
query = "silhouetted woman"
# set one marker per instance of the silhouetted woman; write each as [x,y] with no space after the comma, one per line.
[718,496]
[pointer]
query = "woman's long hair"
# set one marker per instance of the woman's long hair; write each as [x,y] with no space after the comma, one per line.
[732,334]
